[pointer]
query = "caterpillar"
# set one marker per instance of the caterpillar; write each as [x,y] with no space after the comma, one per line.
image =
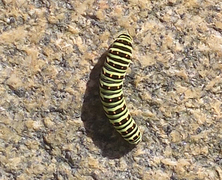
[111,81]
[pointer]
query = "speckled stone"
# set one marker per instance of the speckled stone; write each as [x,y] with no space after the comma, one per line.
[52,125]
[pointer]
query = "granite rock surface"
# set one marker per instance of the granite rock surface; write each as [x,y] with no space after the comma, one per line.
[52,125]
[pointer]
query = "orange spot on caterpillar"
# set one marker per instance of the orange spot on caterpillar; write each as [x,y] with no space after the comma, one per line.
[136,137]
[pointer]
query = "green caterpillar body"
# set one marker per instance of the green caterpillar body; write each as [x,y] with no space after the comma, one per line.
[111,81]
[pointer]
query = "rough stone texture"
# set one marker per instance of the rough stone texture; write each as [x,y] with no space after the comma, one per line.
[52,125]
